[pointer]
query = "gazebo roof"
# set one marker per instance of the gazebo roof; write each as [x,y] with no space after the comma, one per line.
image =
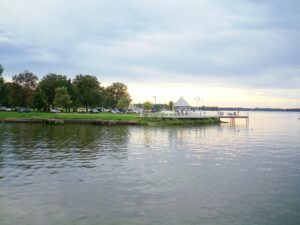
[181,103]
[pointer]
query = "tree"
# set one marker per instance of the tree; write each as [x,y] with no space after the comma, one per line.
[1,69]
[48,85]
[16,96]
[147,105]
[3,93]
[170,105]
[28,81]
[39,100]
[115,92]
[1,85]
[62,98]
[73,91]
[123,103]
[88,90]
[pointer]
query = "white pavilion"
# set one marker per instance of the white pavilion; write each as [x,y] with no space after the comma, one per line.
[181,105]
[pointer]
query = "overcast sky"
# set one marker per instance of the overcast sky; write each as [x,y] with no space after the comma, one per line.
[229,52]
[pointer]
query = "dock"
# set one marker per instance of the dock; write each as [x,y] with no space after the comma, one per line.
[234,117]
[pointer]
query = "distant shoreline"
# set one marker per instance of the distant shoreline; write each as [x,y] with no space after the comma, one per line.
[208,108]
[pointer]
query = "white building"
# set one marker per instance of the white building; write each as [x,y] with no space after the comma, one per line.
[181,105]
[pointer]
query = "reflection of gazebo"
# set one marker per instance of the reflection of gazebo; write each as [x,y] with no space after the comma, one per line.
[181,105]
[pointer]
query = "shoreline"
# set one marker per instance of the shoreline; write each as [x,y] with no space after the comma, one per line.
[69,121]
[104,120]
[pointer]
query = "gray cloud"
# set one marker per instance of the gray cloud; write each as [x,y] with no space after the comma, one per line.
[238,43]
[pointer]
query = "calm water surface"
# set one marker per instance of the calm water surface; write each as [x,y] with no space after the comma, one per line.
[227,174]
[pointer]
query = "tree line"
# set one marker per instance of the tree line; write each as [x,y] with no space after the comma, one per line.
[56,90]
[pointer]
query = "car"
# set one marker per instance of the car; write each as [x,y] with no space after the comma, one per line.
[114,111]
[137,110]
[24,110]
[81,110]
[55,111]
[94,111]
[8,109]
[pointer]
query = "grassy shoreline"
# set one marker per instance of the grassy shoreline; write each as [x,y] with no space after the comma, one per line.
[100,119]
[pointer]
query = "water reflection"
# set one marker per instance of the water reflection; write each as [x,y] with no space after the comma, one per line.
[31,145]
[148,175]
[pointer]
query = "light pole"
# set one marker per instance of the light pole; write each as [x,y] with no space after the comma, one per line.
[154,103]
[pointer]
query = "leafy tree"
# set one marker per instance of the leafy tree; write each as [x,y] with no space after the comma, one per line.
[170,105]
[1,69]
[88,90]
[1,82]
[49,83]
[62,98]
[3,93]
[28,81]
[74,95]
[123,103]
[39,100]
[16,97]
[115,92]
[147,105]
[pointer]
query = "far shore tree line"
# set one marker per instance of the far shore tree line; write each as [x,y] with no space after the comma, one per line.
[55,90]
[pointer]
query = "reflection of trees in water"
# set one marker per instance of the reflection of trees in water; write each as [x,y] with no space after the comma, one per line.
[63,142]
[2,146]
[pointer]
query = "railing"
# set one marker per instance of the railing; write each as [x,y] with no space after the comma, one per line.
[177,114]
[199,114]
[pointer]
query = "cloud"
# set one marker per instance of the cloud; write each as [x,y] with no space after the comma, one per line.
[247,43]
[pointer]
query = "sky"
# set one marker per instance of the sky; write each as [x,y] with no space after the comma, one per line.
[218,53]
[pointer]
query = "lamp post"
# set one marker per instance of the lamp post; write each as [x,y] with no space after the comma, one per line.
[154,103]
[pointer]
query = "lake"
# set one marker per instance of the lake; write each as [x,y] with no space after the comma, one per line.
[220,174]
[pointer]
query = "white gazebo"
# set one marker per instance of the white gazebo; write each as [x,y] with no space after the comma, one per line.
[181,105]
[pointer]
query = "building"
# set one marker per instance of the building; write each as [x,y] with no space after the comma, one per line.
[181,105]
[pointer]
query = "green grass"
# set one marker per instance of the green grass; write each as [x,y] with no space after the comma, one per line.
[90,116]
[109,116]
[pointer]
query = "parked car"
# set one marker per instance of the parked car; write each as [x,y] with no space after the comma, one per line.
[55,110]
[94,111]
[24,110]
[115,111]
[8,110]
[81,110]
[2,108]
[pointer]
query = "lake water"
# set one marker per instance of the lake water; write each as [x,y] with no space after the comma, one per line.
[223,174]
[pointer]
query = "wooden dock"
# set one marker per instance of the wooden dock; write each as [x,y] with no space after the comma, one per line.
[234,117]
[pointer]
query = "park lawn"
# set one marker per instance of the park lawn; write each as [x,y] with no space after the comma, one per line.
[109,116]
[90,116]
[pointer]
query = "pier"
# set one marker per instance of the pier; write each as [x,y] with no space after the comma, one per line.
[234,117]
